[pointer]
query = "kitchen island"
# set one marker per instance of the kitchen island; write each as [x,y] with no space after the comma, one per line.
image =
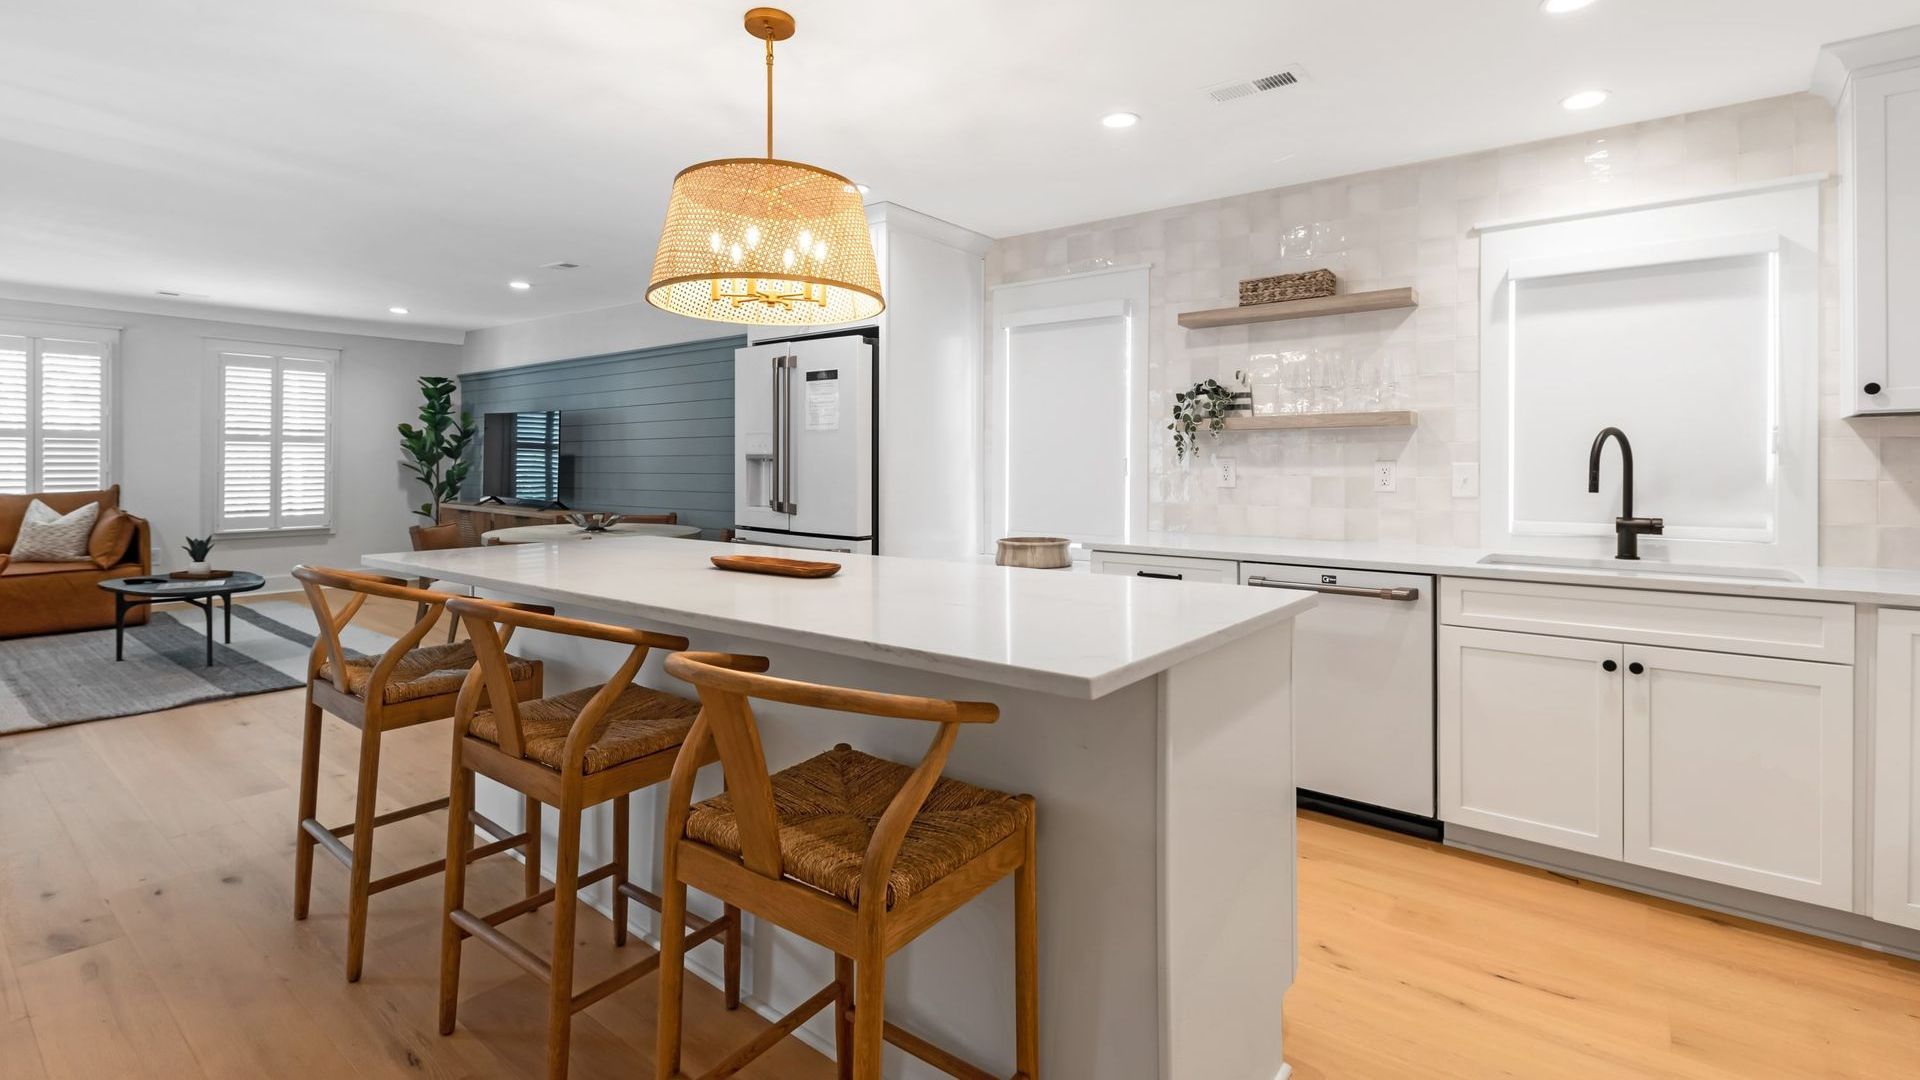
[1152,725]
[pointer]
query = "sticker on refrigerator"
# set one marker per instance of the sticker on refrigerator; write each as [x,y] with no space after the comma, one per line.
[823,400]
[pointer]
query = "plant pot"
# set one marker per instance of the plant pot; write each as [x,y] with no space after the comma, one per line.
[199,568]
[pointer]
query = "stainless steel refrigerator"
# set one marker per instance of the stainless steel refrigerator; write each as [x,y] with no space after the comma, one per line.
[804,441]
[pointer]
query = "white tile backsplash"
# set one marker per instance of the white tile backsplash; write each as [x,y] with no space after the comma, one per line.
[1409,226]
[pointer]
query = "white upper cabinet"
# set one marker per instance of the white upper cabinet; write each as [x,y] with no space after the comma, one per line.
[1875,84]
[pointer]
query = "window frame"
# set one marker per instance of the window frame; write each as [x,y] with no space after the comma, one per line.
[328,360]
[108,339]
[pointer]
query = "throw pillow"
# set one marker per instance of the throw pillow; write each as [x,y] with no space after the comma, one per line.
[47,536]
[110,536]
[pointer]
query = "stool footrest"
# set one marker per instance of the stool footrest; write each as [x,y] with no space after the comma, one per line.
[543,897]
[428,869]
[767,1039]
[950,1064]
[397,815]
[694,922]
[476,927]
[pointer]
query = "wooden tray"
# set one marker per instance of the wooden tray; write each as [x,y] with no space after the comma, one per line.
[188,575]
[765,564]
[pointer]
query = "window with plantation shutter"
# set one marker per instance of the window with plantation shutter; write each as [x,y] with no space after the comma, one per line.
[54,401]
[275,423]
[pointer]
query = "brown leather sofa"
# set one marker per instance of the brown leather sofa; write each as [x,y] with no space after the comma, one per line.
[48,597]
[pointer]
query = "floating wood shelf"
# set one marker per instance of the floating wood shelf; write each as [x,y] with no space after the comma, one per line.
[1345,304]
[1397,418]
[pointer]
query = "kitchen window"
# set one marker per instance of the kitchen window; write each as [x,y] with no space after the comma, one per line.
[55,402]
[273,461]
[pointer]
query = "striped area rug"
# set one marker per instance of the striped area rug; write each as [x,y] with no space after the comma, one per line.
[72,678]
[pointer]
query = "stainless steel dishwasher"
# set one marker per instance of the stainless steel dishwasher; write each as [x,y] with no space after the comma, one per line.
[1363,708]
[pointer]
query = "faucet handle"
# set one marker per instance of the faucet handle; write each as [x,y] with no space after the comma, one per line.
[1651,526]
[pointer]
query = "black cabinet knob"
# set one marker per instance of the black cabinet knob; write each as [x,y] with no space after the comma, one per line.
[1608,665]
[1636,667]
[1872,388]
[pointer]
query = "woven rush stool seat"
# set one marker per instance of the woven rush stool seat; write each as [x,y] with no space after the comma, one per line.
[641,721]
[828,806]
[429,671]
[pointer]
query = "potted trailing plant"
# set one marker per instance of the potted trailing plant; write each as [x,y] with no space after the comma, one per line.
[436,450]
[1207,403]
[197,549]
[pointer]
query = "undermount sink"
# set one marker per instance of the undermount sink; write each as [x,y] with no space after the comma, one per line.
[1643,566]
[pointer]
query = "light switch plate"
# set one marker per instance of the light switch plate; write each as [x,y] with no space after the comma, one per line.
[1383,477]
[1466,480]
[1223,467]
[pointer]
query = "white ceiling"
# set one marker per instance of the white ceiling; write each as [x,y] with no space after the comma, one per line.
[336,157]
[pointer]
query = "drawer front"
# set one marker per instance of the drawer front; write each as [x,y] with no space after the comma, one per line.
[1168,567]
[1754,626]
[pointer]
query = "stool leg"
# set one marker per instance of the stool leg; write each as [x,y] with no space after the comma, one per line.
[361,872]
[1026,957]
[459,842]
[530,816]
[843,1017]
[730,958]
[308,807]
[869,1009]
[673,948]
[620,825]
[566,879]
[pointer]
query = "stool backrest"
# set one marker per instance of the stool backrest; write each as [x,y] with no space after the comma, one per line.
[726,682]
[436,537]
[490,626]
[315,580]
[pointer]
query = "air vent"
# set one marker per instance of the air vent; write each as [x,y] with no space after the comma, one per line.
[561,266]
[1245,88]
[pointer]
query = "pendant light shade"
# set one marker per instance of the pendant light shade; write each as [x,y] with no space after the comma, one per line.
[766,241]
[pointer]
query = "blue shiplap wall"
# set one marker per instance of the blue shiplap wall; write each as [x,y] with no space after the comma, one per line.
[643,432]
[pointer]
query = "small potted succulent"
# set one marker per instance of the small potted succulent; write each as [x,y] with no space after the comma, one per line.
[197,549]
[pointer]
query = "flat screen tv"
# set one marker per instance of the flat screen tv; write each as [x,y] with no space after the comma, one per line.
[522,456]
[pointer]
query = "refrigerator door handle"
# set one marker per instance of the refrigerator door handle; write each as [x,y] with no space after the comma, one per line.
[779,420]
[785,436]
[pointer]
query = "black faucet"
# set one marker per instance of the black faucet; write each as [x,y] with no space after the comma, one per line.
[1626,527]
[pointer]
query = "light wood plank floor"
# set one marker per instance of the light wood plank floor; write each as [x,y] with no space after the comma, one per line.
[145,891]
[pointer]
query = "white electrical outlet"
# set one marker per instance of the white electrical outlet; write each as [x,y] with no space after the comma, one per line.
[1466,480]
[1383,478]
[1224,467]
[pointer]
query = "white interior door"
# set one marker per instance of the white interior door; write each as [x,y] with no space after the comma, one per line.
[1739,769]
[1896,776]
[1530,737]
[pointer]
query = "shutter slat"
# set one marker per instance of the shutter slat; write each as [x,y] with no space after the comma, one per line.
[13,464]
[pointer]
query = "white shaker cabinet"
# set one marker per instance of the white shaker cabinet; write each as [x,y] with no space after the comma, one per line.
[1529,739]
[1896,776]
[1739,769]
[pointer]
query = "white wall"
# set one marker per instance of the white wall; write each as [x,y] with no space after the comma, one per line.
[162,389]
[638,325]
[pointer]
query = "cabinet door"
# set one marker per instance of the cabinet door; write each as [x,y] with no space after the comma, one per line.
[1740,770]
[1886,235]
[1530,737]
[1896,776]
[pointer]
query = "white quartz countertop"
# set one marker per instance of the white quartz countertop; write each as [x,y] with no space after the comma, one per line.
[1893,588]
[1078,635]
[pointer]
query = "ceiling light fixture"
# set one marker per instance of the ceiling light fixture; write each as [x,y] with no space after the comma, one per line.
[521,285]
[766,241]
[1120,119]
[1584,99]
[397,310]
[1563,7]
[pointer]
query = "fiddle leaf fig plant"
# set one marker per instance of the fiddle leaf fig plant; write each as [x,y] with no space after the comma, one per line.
[436,450]
[1207,403]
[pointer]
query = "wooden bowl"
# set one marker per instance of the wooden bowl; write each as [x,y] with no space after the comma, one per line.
[1037,552]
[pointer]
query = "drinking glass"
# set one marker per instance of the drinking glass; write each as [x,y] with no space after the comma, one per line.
[1332,377]
[1296,383]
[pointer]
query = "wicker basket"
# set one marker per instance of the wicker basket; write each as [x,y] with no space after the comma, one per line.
[1279,287]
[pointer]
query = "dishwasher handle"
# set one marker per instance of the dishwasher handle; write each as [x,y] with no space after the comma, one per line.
[1402,594]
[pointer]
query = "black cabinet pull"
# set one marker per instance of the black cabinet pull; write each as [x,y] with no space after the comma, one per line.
[1608,665]
[1167,577]
[1636,667]
[1872,388]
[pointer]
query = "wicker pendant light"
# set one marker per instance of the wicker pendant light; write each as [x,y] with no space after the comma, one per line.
[760,240]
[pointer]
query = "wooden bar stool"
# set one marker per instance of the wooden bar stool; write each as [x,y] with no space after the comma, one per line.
[436,538]
[402,687]
[572,751]
[855,853]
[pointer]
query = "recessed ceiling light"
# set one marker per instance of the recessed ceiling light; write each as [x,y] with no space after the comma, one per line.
[1120,119]
[519,284]
[1585,99]
[397,310]
[1563,7]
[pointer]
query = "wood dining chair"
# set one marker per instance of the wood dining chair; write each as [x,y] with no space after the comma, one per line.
[573,751]
[403,686]
[672,517]
[436,538]
[855,853]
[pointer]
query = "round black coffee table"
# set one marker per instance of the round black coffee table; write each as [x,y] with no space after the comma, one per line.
[200,592]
